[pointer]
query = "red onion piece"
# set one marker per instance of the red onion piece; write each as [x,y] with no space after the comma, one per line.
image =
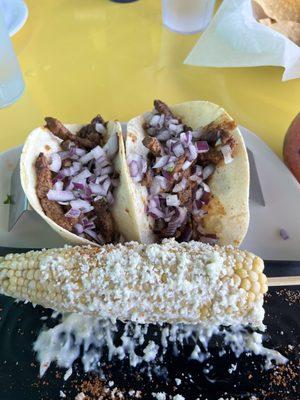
[81,205]
[186,165]
[56,162]
[186,138]
[133,169]
[172,200]
[69,186]
[178,149]
[82,176]
[162,181]
[155,213]
[72,213]
[97,189]
[59,185]
[198,170]
[161,161]
[78,228]
[80,152]
[99,128]
[199,193]
[180,186]
[226,151]
[60,195]
[161,120]
[205,187]
[164,135]
[196,178]
[86,158]
[106,184]
[193,152]
[202,146]
[154,121]
[101,179]
[283,234]
[78,186]
[64,154]
[89,225]
[208,170]
[107,170]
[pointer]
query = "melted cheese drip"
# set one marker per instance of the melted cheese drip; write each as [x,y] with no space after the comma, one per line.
[62,343]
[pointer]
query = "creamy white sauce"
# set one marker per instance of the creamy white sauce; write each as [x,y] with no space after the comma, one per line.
[62,343]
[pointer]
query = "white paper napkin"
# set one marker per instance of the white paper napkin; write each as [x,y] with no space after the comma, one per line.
[235,39]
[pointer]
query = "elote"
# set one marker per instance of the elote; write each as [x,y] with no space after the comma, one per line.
[170,282]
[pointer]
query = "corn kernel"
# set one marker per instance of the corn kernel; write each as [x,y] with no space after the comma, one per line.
[253,276]
[246,284]
[236,279]
[255,287]
[251,297]
[20,281]
[242,273]
[258,266]
[262,278]
[264,288]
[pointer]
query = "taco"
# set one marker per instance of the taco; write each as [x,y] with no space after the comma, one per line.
[68,173]
[185,174]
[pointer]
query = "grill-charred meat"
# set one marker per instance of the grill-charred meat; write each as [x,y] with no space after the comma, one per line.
[104,221]
[59,130]
[52,209]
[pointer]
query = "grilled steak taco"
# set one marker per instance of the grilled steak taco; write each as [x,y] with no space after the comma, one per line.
[68,173]
[185,174]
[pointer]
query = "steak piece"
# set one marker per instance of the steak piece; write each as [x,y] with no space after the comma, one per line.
[104,221]
[52,209]
[153,144]
[59,130]
[89,131]
[55,212]
[162,108]
[43,175]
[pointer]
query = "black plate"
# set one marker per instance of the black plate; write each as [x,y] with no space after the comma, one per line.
[21,323]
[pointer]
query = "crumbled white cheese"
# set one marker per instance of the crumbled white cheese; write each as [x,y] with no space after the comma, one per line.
[61,393]
[178,381]
[80,396]
[159,396]
[68,374]
[150,351]
[178,397]
[232,368]
[169,282]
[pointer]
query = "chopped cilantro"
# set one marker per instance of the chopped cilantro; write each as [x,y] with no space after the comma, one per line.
[8,200]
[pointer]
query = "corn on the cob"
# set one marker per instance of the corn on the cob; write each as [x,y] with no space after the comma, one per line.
[171,282]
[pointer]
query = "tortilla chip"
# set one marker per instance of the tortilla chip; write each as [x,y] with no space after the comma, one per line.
[281,10]
[290,29]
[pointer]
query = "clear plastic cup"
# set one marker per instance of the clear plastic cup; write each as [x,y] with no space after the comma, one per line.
[11,80]
[187,16]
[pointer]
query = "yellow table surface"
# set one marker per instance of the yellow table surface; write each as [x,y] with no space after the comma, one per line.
[83,57]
